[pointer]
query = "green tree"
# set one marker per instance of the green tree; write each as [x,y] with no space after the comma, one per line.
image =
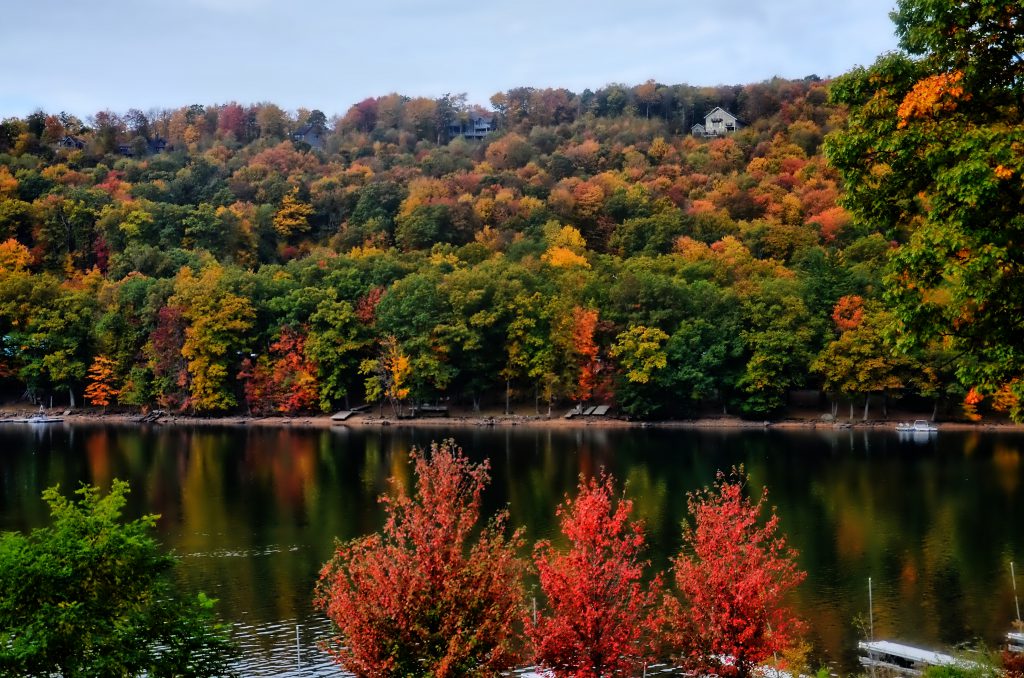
[862,362]
[933,156]
[335,343]
[93,595]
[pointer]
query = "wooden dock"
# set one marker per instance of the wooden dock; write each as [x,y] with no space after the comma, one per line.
[904,659]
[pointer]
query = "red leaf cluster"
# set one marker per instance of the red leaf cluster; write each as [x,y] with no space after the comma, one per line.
[601,618]
[734,574]
[433,594]
[285,381]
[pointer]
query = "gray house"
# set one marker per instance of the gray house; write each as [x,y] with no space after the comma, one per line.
[71,141]
[310,134]
[475,126]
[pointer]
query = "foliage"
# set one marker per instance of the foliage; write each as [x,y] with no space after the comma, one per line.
[734,574]
[283,381]
[101,389]
[93,595]
[434,594]
[388,375]
[589,249]
[601,616]
[932,157]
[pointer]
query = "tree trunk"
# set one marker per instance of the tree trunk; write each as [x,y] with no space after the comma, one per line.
[935,410]
[508,386]
[867,401]
[476,402]
[885,406]
[851,409]
[71,397]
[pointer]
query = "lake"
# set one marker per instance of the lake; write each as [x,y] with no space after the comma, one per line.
[253,512]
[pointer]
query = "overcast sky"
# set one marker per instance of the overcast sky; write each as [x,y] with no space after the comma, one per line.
[83,56]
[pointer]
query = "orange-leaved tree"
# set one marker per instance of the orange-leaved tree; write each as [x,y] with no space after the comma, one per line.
[601,617]
[102,377]
[433,594]
[734,574]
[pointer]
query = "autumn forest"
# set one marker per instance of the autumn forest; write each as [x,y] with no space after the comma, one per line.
[587,248]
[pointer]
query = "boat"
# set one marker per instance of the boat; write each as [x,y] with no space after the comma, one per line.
[905,660]
[919,426]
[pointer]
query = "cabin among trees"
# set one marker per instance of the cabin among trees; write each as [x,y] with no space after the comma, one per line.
[474,126]
[311,134]
[71,141]
[717,123]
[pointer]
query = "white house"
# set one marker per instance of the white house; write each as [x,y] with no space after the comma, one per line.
[720,122]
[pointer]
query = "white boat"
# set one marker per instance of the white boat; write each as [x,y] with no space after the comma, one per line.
[905,659]
[919,426]
[1015,641]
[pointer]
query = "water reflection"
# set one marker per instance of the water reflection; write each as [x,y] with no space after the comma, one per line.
[255,512]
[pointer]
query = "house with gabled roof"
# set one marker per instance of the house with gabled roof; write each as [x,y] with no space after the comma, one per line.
[71,141]
[717,123]
[310,134]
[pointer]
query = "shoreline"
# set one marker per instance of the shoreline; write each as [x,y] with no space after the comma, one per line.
[482,420]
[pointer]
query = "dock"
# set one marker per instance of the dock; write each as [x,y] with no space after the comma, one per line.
[1015,641]
[903,659]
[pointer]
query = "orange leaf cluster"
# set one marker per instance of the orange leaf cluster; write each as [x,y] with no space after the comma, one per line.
[932,96]
[971,402]
[102,375]
[434,593]
[848,312]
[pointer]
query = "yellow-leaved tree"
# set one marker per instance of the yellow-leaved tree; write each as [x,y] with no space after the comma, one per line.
[217,322]
[388,375]
[293,217]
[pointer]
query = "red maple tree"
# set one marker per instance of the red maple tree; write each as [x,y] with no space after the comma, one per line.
[424,597]
[734,574]
[601,618]
[283,382]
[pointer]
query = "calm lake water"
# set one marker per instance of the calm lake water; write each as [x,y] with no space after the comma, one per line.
[254,513]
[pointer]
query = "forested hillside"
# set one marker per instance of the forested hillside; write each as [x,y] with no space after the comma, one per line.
[589,249]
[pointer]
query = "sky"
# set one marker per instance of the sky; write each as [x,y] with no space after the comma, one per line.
[83,56]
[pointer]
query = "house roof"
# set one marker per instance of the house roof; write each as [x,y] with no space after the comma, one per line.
[719,109]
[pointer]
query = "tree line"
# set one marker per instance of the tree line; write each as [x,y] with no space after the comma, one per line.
[588,250]
[599,259]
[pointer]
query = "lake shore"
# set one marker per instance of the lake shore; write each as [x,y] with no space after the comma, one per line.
[459,419]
